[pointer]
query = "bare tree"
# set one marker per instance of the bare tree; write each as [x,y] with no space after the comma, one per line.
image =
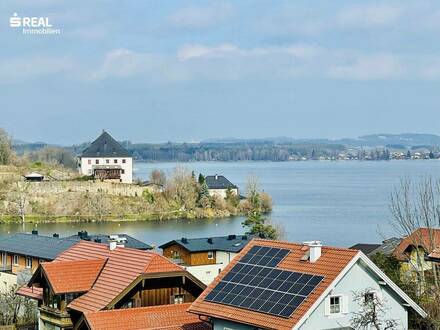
[414,206]
[6,153]
[182,188]
[19,198]
[158,177]
[98,204]
[15,309]
[372,312]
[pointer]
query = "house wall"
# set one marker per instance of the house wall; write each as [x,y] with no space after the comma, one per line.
[6,281]
[190,258]
[356,280]
[414,264]
[221,192]
[87,169]
[21,265]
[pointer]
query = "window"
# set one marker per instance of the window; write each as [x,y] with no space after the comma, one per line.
[129,304]
[179,298]
[16,259]
[123,161]
[210,254]
[115,161]
[97,161]
[107,161]
[175,254]
[4,258]
[335,305]
[369,297]
[123,171]
[28,262]
[89,161]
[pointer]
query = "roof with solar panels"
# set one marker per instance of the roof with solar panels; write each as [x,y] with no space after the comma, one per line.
[275,285]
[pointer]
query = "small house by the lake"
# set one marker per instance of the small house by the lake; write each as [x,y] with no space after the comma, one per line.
[106,160]
[219,185]
[34,177]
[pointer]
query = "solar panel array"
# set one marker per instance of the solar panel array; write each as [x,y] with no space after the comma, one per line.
[255,283]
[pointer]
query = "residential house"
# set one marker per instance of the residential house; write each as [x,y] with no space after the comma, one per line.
[21,253]
[105,159]
[387,247]
[121,240]
[413,250]
[205,258]
[219,185]
[279,285]
[91,277]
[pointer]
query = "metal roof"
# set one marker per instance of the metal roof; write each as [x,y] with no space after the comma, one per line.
[34,245]
[129,241]
[218,182]
[105,146]
[231,243]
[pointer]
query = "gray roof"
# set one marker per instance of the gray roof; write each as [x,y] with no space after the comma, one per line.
[130,241]
[231,243]
[218,182]
[34,245]
[387,247]
[105,146]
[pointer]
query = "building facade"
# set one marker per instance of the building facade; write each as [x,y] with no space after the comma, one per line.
[206,257]
[218,185]
[106,160]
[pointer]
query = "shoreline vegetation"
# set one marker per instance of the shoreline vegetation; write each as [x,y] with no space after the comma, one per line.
[66,196]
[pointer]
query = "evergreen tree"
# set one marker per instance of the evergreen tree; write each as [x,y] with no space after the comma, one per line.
[201,179]
[408,155]
[431,155]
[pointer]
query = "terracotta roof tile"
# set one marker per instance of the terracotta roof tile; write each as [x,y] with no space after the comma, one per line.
[123,266]
[171,317]
[329,265]
[427,238]
[72,276]
[30,292]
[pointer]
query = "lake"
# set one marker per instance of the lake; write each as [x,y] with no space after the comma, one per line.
[340,203]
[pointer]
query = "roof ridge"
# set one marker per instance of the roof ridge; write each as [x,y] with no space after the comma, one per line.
[327,247]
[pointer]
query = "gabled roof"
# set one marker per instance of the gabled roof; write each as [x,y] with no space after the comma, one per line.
[105,146]
[123,266]
[128,240]
[231,243]
[333,264]
[172,317]
[34,245]
[72,276]
[218,182]
[427,238]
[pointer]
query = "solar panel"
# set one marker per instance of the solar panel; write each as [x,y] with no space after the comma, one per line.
[254,283]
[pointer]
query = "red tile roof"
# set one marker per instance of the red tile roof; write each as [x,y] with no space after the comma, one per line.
[171,317]
[428,239]
[72,276]
[30,292]
[123,266]
[435,254]
[330,265]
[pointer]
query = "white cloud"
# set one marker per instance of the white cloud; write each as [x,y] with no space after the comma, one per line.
[200,17]
[198,51]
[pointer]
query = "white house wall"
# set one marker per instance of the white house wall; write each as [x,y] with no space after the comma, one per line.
[127,177]
[221,192]
[356,280]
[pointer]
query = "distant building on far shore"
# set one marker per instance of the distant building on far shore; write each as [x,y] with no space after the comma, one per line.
[219,185]
[106,160]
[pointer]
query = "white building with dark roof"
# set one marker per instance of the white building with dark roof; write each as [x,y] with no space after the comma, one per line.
[219,185]
[107,160]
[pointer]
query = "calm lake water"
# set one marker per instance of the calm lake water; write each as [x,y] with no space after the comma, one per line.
[340,203]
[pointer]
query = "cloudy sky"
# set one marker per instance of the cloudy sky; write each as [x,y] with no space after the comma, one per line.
[155,71]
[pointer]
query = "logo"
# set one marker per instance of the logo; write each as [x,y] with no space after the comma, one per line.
[33,25]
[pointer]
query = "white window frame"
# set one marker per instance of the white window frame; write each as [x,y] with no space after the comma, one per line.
[29,262]
[179,299]
[15,258]
[339,304]
[343,305]
[210,255]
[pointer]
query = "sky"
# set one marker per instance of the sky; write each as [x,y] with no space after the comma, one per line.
[157,71]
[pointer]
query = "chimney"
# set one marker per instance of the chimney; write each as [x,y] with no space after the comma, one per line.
[112,243]
[314,250]
[56,235]
[34,232]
